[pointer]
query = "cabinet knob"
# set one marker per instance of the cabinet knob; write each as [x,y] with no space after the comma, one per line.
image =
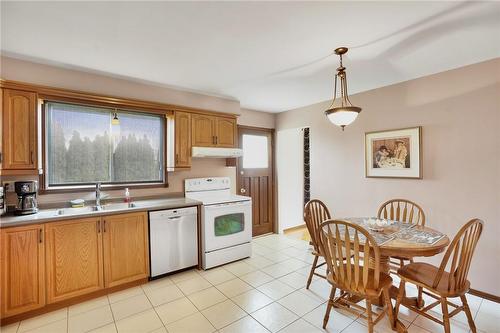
[242,190]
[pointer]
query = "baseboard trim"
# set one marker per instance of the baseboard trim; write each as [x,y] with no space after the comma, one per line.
[298,227]
[484,295]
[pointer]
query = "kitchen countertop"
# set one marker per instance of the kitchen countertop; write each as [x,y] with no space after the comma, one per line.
[54,214]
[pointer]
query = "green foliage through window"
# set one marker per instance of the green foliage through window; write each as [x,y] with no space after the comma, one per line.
[83,146]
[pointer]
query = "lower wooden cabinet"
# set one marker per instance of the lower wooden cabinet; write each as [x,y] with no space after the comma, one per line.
[48,263]
[126,250]
[74,258]
[23,269]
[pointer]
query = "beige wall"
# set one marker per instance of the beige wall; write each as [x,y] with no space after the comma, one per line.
[459,111]
[25,71]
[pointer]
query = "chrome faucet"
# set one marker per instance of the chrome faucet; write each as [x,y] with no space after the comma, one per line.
[98,196]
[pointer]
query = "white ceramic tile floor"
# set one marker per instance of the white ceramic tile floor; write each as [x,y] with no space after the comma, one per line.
[264,293]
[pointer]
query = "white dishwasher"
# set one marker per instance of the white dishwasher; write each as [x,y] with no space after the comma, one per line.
[173,240]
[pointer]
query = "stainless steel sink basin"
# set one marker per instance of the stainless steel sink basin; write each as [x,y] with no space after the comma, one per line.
[90,209]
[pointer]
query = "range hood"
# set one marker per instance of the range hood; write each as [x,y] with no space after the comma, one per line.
[216,152]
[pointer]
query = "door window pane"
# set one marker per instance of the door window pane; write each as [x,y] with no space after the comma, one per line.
[229,224]
[255,153]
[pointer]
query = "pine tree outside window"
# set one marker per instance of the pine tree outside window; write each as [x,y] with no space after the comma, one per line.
[83,146]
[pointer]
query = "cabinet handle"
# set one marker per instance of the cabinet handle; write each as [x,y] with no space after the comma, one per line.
[216,139]
[40,235]
[104,225]
[176,158]
[98,226]
[32,157]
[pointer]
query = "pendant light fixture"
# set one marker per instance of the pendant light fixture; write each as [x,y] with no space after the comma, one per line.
[115,120]
[341,112]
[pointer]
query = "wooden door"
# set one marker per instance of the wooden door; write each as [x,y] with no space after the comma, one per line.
[182,140]
[126,252]
[22,264]
[226,132]
[19,130]
[74,258]
[202,130]
[256,175]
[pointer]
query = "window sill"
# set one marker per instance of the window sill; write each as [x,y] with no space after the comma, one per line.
[104,187]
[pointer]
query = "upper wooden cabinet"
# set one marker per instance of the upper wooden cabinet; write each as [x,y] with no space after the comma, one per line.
[182,140]
[126,250]
[19,127]
[203,130]
[226,132]
[22,269]
[74,258]
[213,131]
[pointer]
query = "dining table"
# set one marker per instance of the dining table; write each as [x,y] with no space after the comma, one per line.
[402,240]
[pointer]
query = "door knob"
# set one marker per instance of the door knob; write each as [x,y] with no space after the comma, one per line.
[242,190]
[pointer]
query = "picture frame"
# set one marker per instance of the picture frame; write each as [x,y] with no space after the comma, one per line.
[395,153]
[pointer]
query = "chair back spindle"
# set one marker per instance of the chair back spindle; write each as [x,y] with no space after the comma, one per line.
[402,210]
[342,239]
[460,252]
[315,212]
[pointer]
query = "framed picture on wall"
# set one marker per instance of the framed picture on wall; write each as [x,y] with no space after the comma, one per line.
[394,153]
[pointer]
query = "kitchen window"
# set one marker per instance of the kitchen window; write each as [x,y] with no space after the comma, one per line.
[86,144]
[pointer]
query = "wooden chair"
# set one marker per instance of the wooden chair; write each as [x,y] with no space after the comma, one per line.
[404,211]
[441,283]
[315,212]
[354,276]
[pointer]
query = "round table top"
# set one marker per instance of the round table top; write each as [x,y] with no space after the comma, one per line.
[398,247]
[404,248]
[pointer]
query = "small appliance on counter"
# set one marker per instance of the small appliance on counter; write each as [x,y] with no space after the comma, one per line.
[3,201]
[26,197]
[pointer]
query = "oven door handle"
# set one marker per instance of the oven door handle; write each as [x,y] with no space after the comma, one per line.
[229,204]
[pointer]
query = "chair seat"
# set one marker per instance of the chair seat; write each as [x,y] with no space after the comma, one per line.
[425,274]
[384,281]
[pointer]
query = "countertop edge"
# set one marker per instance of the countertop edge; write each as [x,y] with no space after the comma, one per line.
[25,221]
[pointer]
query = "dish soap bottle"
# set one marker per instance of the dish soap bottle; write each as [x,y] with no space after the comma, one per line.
[127,196]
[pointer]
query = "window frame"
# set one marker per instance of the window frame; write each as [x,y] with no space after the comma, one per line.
[43,111]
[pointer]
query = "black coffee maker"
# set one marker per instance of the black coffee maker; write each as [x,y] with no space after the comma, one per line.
[26,197]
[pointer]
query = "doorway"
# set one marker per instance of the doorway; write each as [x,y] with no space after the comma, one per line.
[255,174]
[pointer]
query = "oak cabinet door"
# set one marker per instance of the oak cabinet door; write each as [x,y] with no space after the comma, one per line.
[226,132]
[19,130]
[203,130]
[182,140]
[74,258]
[126,252]
[23,264]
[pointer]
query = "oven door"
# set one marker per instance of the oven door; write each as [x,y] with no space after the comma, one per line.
[227,225]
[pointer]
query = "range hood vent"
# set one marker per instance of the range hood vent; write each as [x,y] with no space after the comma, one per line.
[216,152]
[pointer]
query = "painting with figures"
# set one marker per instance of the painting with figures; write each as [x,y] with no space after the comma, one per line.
[394,153]
[391,152]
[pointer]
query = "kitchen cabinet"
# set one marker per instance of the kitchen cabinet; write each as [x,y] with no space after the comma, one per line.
[19,129]
[213,131]
[74,258]
[126,251]
[182,140]
[23,269]
[203,130]
[226,132]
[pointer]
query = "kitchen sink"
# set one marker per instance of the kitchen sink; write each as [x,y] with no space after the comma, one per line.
[90,209]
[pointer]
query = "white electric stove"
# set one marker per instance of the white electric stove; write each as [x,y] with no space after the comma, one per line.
[226,226]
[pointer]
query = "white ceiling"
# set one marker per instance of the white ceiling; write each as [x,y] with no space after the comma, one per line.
[271,56]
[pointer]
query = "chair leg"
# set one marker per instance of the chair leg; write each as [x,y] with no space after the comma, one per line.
[399,299]
[329,307]
[472,326]
[446,317]
[420,300]
[388,307]
[369,315]
[313,267]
